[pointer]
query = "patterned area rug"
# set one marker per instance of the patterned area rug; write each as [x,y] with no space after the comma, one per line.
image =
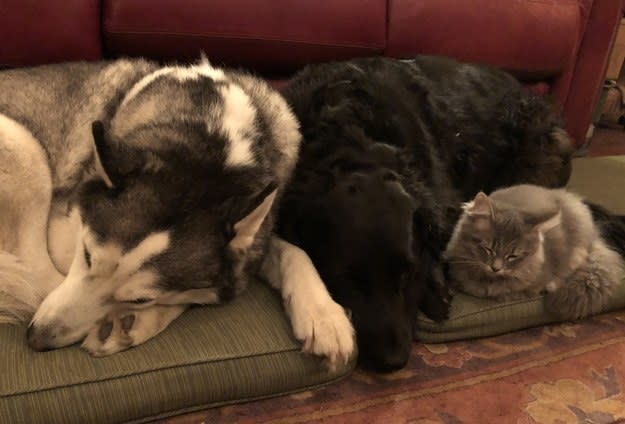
[558,374]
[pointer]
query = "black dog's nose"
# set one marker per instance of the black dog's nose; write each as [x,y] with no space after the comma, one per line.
[389,361]
[38,339]
[393,361]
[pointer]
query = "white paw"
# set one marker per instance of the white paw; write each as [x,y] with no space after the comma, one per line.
[324,329]
[113,334]
[123,329]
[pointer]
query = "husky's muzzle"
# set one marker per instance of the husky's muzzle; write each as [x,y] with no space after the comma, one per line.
[97,276]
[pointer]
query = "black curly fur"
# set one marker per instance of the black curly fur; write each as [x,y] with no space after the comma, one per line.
[611,226]
[391,149]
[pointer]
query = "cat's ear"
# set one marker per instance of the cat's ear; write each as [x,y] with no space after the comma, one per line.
[549,223]
[480,206]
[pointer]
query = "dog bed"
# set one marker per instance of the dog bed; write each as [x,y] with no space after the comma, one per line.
[597,179]
[209,356]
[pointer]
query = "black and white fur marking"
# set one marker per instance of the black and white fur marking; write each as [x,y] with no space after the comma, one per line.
[130,190]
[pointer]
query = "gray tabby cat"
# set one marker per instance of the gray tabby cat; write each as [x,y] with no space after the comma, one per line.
[525,241]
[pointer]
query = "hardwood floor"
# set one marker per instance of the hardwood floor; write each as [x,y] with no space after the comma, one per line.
[607,141]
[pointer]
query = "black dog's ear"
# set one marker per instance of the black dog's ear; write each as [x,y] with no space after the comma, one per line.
[429,226]
[103,155]
[248,215]
[327,97]
[437,297]
[332,95]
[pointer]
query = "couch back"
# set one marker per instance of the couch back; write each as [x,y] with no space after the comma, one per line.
[556,46]
[535,39]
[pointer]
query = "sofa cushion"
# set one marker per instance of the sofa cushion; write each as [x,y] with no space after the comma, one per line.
[38,32]
[281,35]
[530,38]
[471,317]
[209,356]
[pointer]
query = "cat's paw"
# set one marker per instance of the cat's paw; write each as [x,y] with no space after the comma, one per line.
[552,286]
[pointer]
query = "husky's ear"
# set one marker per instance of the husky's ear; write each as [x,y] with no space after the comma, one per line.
[103,154]
[245,226]
[204,59]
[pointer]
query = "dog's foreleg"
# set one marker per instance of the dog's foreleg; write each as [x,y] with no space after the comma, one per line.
[27,273]
[317,320]
[122,330]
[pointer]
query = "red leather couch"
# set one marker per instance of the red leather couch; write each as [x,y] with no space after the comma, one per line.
[556,46]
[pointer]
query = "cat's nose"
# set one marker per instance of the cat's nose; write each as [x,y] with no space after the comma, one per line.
[497,265]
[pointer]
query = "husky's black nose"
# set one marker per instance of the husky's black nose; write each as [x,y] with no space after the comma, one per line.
[39,339]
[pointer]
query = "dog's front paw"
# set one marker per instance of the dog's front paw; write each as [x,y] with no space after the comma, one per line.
[123,329]
[113,334]
[436,306]
[324,328]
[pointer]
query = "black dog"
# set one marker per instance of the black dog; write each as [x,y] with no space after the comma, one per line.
[391,149]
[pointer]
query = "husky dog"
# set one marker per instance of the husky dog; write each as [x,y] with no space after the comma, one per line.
[391,148]
[129,191]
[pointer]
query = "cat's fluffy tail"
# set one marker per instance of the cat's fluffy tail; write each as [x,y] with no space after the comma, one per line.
[588,290]
[19,297]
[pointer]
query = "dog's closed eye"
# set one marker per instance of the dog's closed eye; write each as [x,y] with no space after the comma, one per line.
[140,301]
[390,176]
[352,189]
[87,256]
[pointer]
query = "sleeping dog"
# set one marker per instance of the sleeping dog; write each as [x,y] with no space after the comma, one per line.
[391,149]
[130,190]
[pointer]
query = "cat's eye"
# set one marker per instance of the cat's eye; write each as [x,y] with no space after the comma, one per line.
[488,250]
[512,257]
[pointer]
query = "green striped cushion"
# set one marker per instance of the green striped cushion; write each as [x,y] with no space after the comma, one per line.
[209,356]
